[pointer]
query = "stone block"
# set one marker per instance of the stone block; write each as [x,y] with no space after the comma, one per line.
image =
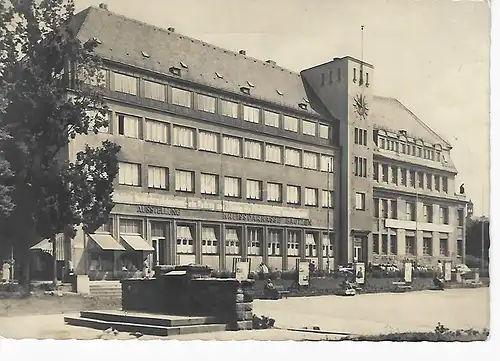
[245,306]
[240,298]
[244,315]
[244,325]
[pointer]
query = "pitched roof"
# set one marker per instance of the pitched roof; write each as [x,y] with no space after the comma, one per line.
[391,114]
[124,40]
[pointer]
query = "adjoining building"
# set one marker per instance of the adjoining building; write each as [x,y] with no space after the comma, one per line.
[225,156]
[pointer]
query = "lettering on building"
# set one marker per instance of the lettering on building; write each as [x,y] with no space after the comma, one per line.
[266,219]
[158,210]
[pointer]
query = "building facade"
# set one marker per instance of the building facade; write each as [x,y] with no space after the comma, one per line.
[225,157]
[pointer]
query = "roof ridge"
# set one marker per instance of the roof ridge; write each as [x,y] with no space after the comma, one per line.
[420,121]
[215,47]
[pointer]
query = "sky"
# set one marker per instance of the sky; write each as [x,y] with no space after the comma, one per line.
[432,55]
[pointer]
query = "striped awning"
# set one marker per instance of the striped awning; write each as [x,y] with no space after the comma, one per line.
[137,243]
[106,242]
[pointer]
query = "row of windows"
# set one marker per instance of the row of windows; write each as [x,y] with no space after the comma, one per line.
[360,136]
[387,208]
[387,245]
[362,81]
[410,148]
[159,132]
[182,97]
[158,178]
[360,167]
[384,173]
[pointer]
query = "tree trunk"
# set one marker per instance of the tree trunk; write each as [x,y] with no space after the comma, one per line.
[54,260]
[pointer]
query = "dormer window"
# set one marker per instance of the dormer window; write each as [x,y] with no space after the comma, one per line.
[219,75]
[279,92]
[144,54]
[97,40]
[184,65]
[245,90]
[367,84]
[306,100]
[303,106]
[354,79]
[250,84]
[175,70]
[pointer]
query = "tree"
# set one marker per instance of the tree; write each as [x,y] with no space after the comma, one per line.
[476,228]
[47,101]
[6,204]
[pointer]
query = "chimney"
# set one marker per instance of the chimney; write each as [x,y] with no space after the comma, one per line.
[103,6]
[271,62]
[171,29]
[243,52]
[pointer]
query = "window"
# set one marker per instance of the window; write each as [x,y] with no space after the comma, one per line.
[311,197]
[156,131]
[254,189]
[308,128]
[153,90]
[412,179]
[394,175]
[443,247]
[205,103]
[271,119]
[324,131]
[420,180]
[394,244]
[254,242]
[410,211]
[437,183]
[428,181]
[208,141]
[251,114]
[185,243]
[125,84]
[404,179]
[274,243]
[273,192]
[326,163]
[427,247]
[360,201]
[130,226]
[428,214]
[129,174]
[375,171]
[128,126]
[208,241]
[327,199]
[273,153]
[291,124]
[445,184]
[181,97]
[293,243]
[232,187]
[360,165]
[310,245]
[410,245]
[184,181]
[293,194]
[209,184]
[385,208]
[94,115]
[231,145]
[310,160]
[183,137]
[232,241]
[229,109]
[157,177]
[444,215]
[394,209]
[292,157]
[360,136]
[253,150]
[98,79]
[385,242]
[460,216]
[460,248]
[376,244]
[385,173]
[376,207]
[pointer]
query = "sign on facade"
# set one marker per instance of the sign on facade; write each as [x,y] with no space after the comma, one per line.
[360,273]
[303,274]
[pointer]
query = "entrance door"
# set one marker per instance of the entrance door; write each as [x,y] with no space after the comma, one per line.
[358,255]
[159,254]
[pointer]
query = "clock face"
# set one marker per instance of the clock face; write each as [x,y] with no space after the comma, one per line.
[360,106]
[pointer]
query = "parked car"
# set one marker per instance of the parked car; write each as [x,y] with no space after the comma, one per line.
[348,269]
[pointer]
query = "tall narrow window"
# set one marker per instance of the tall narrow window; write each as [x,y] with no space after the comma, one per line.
[360,201]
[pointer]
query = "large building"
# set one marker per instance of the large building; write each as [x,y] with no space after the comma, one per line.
[225,156]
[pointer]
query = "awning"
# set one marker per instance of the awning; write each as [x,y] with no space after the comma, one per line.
[106,242]
[184,232]
[44,245]
[137,243]
[231,235]
[208,234]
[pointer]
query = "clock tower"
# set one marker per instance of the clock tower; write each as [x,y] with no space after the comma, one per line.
[344,87]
